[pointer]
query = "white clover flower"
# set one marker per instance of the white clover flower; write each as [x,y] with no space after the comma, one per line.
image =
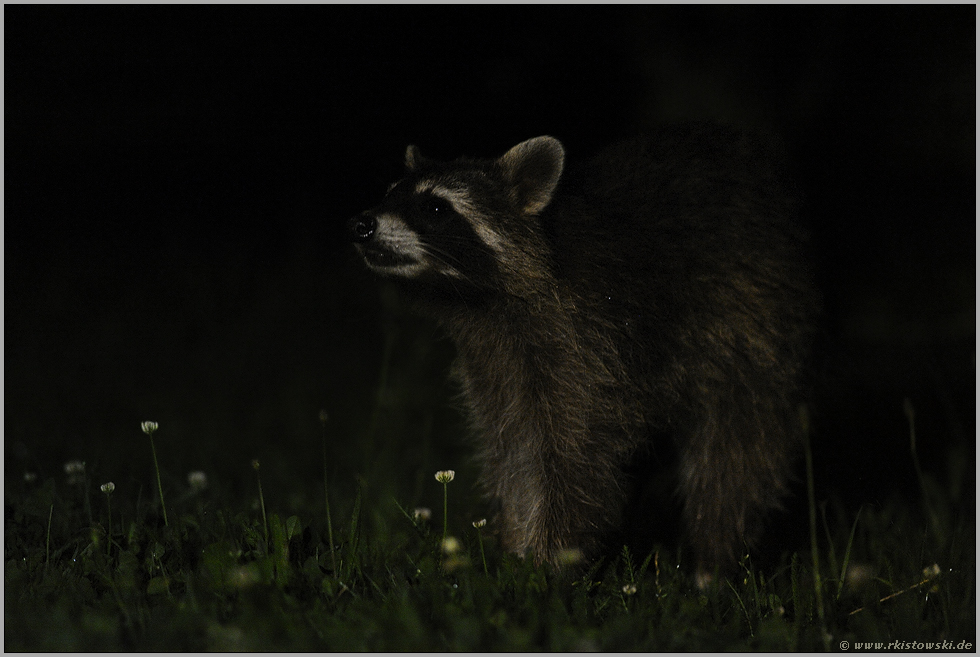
[76,472]
[197,480]
[74,467]
[858,575]
[150,427]
[445,476]
[480,523]
[323,415]
[629,589]
[422,513]
[108,487]
[255,464]
[244,577]
[454,562]
[30,477]
[570,557]
[451,545]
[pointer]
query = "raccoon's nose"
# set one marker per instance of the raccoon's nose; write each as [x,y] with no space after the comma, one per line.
[362,227]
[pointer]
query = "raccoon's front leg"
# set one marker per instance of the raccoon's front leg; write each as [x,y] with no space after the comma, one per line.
[554,500]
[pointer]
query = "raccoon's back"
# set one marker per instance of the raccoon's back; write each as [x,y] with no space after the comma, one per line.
[686,243]
[683,202]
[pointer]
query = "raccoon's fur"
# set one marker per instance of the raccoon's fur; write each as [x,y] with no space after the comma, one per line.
[659,290]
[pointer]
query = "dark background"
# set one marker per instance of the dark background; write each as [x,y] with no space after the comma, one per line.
[177,181]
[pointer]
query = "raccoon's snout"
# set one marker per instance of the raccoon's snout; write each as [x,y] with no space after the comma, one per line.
[362,227]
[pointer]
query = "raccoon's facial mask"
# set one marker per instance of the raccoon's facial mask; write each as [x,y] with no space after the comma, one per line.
[457,220]
[419,229]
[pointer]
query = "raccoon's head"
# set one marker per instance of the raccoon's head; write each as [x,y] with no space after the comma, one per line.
[469,222]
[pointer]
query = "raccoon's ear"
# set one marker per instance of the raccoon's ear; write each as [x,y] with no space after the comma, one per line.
[533,168]
[413,159]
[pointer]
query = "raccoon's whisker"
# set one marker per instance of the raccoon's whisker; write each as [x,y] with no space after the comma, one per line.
[452,263]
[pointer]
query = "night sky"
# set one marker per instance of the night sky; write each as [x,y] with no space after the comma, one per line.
[177,181]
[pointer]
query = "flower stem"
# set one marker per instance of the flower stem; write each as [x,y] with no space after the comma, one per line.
[445,510]
[108,529]
[479,537]
[47,543]
[326,494]
[265,519]
[159,483]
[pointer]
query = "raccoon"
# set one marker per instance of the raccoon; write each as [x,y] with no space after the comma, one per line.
[658,292]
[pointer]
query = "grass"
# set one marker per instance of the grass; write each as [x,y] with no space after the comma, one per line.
[337,542]
[224,576]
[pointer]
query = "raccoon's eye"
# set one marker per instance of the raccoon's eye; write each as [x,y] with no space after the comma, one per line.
[435,212]
[436,207]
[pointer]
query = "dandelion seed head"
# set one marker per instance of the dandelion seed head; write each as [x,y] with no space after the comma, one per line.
[445,476]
